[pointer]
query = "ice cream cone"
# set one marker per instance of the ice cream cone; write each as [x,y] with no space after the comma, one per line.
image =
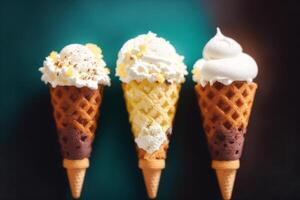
[147,102]
[76,111]
[226,110]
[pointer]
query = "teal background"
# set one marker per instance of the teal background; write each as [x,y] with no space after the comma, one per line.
[30,161]
[29,31]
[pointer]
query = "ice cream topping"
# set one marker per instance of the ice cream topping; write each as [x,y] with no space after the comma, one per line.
[151,137]
[224,61]
[148,57]
[76,65]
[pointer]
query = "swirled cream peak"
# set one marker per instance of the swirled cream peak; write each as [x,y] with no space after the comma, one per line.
[76,65]
[224,61]
[148,57]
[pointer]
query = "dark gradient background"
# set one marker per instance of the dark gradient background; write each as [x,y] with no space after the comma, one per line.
[30,166]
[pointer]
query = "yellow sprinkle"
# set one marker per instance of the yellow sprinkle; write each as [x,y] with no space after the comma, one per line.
[106,70]
[142,51]
[196,72]
[143,48]
[95,49]
[129,58]
[160,78]
[53,55]
[69,72]
[121,70]
[139,54]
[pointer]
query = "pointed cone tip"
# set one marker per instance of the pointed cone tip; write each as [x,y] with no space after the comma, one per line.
[76,179]
[152,179]
[226,179]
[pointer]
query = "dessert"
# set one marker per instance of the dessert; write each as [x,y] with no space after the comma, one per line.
[76,77]
[225,91]
[151,73]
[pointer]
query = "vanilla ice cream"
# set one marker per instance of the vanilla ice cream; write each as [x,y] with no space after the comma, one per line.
[148,57]
[76,65]
[151,137]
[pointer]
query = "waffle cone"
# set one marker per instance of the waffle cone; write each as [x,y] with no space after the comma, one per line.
[76,111]
[76,107]
[225,111]
[147,102]
[225,105]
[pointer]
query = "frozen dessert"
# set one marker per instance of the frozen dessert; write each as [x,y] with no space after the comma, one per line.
[151,137]
[224,62]
[76,77]
[152,73]
[151,58]
[225,91]
[76,65]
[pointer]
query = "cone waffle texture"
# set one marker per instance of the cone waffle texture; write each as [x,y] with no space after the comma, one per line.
[147,102]
[76,107]
[226,111]
[228,106]
[76,111]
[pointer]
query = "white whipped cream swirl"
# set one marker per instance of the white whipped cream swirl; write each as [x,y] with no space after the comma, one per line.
[224,61]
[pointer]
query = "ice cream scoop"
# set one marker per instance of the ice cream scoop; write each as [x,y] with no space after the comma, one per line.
[152,58]
[151,137]
[76,65]
[224,61]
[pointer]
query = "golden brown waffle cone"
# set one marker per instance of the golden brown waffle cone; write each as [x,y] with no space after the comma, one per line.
[76,109]
[226,172]
[76,171]
[228,108]
[147,102]
[228,105]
